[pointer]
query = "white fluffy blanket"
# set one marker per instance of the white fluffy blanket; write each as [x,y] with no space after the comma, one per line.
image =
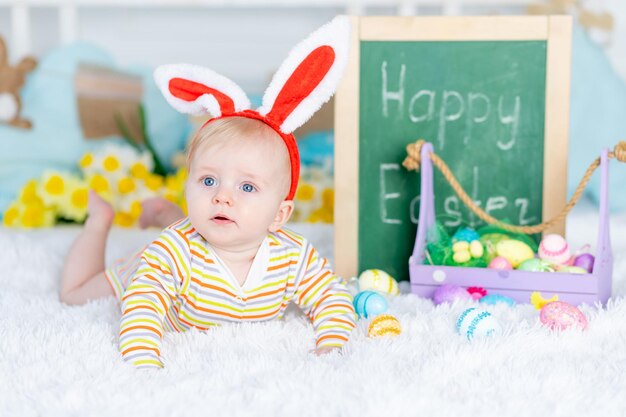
[57,360]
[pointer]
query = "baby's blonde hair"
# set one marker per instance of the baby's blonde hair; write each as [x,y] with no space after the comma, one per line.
[243,130]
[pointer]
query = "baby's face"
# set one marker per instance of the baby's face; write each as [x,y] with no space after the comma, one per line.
[235,193]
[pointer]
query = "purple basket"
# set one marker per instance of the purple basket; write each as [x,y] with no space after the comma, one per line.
[519,285]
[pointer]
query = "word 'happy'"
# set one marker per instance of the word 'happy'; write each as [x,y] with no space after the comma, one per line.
[450,106]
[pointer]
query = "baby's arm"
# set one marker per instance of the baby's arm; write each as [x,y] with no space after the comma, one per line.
[144,306]
[323,296]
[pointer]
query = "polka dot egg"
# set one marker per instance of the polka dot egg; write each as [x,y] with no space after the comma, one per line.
[559,315]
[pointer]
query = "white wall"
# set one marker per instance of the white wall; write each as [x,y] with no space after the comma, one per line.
[243,43]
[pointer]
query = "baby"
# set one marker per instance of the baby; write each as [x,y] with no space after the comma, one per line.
[229,260]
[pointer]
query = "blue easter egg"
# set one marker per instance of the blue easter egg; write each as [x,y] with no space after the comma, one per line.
[369,303]
[466,235]
[492,299]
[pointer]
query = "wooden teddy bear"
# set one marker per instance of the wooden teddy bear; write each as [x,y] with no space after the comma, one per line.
[11,80]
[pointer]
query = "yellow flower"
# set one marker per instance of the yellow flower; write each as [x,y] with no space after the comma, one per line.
[123,219]
[139,170]
[11,216]
[126,185]
[153,182]
[99,184]
[305,192]
[37,215]
[53,187]
[328,199]
[110,163]
[135,209]
[86,161]
[29,195]
[74,206]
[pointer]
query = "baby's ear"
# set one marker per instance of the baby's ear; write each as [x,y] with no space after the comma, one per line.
[282,216]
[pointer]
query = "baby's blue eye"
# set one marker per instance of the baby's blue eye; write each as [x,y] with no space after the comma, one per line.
[248,188]
[209,181]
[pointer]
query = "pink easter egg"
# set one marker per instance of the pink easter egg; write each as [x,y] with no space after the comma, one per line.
[500,263]
[554,248]
[559,315]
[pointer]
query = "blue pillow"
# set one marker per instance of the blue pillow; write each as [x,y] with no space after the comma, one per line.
[597,118]
[56,140]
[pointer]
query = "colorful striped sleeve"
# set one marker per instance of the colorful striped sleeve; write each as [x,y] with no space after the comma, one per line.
[147,299]
[323,296]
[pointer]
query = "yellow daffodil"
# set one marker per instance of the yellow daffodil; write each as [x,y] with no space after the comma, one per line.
[305,192]
[153,182]
[29,216]
[86,161]
[53,187]
[123,219]
[126,185]
[139,170]
[74,205]
[11,216]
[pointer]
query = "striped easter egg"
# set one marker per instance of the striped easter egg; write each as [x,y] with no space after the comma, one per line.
[378,280]
[554,248]
[477,323]
[369,304]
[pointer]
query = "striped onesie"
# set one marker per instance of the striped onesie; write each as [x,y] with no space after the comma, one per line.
[180,284]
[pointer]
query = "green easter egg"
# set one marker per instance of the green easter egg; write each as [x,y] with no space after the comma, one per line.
[536,265]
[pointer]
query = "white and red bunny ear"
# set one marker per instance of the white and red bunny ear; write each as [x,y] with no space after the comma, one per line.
[308,77]
[197,90]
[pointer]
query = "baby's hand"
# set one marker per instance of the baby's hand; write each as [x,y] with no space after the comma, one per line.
[324,350]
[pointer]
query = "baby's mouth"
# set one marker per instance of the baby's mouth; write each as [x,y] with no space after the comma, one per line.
[221,219]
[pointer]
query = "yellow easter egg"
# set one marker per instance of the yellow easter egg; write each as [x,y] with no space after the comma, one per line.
[476,249]
[514,251]
[461,246]
[461,256]
[378,280]
[384,325]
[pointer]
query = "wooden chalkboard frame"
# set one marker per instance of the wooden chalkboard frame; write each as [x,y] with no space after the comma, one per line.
[555,30]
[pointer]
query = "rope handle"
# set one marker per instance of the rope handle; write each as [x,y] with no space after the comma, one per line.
[412,163]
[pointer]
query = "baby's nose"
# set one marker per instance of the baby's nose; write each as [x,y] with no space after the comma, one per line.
[222,197]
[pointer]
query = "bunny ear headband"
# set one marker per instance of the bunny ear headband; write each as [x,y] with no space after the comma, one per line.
[304,81]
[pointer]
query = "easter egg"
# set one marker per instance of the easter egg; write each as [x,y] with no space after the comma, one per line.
[554,248]
[477,323]
[378,280]
[461,246]
[492,299]
[447,293]
[465,235]
[514,251]
[489,241]
[476,249]
[536,265]
[585,261]
[461,256]
[573,270]
[369,303]
[500,263]
[559,315]
[384,325]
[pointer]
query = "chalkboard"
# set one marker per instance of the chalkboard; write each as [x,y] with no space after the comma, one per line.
[480,96]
